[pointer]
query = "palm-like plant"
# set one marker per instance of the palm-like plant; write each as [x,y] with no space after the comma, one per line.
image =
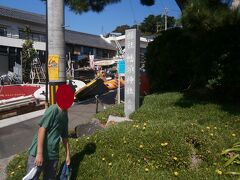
[233,157]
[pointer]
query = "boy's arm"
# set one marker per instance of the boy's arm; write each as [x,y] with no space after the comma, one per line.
[67,150]
[41,136]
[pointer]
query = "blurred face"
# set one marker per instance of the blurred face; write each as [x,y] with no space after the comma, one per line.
[64,97]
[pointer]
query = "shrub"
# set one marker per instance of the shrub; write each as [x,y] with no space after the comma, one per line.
[204,54]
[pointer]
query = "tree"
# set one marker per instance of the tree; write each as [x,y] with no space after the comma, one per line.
[151,25]
[121,29]
[232,3]
[154,24]
[28,54]
[81,6]
[205,15]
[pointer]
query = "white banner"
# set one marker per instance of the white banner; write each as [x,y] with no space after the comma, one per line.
[91,61]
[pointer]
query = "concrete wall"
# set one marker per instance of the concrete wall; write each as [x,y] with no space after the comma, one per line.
[21,25]
[12,42]
[13,26]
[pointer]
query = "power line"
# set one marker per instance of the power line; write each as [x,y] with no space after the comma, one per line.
[133,13]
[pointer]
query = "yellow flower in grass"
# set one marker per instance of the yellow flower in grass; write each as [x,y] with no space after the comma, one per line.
[175,158]
[234,135]
[12,173]
[202,130]
[146,169]
[211,134]
[141,146]
[208,127]
[110,164]
[19,166]
[164,144]
[176,173]
[215,127]
[137,126]
[76,140]
[103,159]
[219,172]
[145,124]
[125,142]
[144,128]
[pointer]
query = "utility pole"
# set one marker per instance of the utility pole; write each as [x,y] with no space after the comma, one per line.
[165,13]
[56,47]
[46,59]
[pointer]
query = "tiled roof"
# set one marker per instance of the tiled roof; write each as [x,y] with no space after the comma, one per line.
[71,37]
[85,39]
[22,15]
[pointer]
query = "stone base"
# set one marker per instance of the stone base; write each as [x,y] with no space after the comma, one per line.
[88,129]
[115,119]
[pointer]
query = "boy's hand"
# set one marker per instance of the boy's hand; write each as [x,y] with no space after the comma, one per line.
[39,160]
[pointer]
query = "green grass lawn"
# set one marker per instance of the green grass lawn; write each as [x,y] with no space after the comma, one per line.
[170,137]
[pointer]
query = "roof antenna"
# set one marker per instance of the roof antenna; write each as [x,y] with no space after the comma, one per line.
[102,30]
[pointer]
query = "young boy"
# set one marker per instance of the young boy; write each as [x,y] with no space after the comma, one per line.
[53,127]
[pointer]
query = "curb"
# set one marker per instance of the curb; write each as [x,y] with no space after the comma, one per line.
[20,118]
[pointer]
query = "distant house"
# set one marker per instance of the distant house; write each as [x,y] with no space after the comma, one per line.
[119,41]
[12,24]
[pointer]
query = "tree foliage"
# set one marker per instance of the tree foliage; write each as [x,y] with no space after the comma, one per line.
[150,23]
[205,15]
[81,6]
[28,54]
[202,55]
[121,29]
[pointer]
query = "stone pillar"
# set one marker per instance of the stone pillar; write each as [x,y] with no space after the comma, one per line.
[132,60]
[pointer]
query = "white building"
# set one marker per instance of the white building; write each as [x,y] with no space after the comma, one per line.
[78,45]
[118,41]
[12,35]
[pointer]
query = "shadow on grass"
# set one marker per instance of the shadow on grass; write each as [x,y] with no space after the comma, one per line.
[190,99]
[77,158]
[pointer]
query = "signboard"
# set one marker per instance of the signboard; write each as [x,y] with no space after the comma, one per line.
[121,67]
[132,55]
[53,70]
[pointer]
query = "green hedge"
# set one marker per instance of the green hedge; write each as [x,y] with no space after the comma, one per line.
[180,59]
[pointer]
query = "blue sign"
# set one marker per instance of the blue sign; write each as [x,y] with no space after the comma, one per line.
[121,67]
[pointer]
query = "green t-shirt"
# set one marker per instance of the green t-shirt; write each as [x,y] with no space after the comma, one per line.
[55,122]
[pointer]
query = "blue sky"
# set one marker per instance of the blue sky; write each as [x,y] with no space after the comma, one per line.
[126,12]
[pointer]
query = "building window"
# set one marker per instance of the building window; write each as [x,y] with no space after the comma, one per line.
[3,50]
[36,37]
[3,31]
[87,50]
[12,57]
[23,35]
[42,38]
[33,36]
